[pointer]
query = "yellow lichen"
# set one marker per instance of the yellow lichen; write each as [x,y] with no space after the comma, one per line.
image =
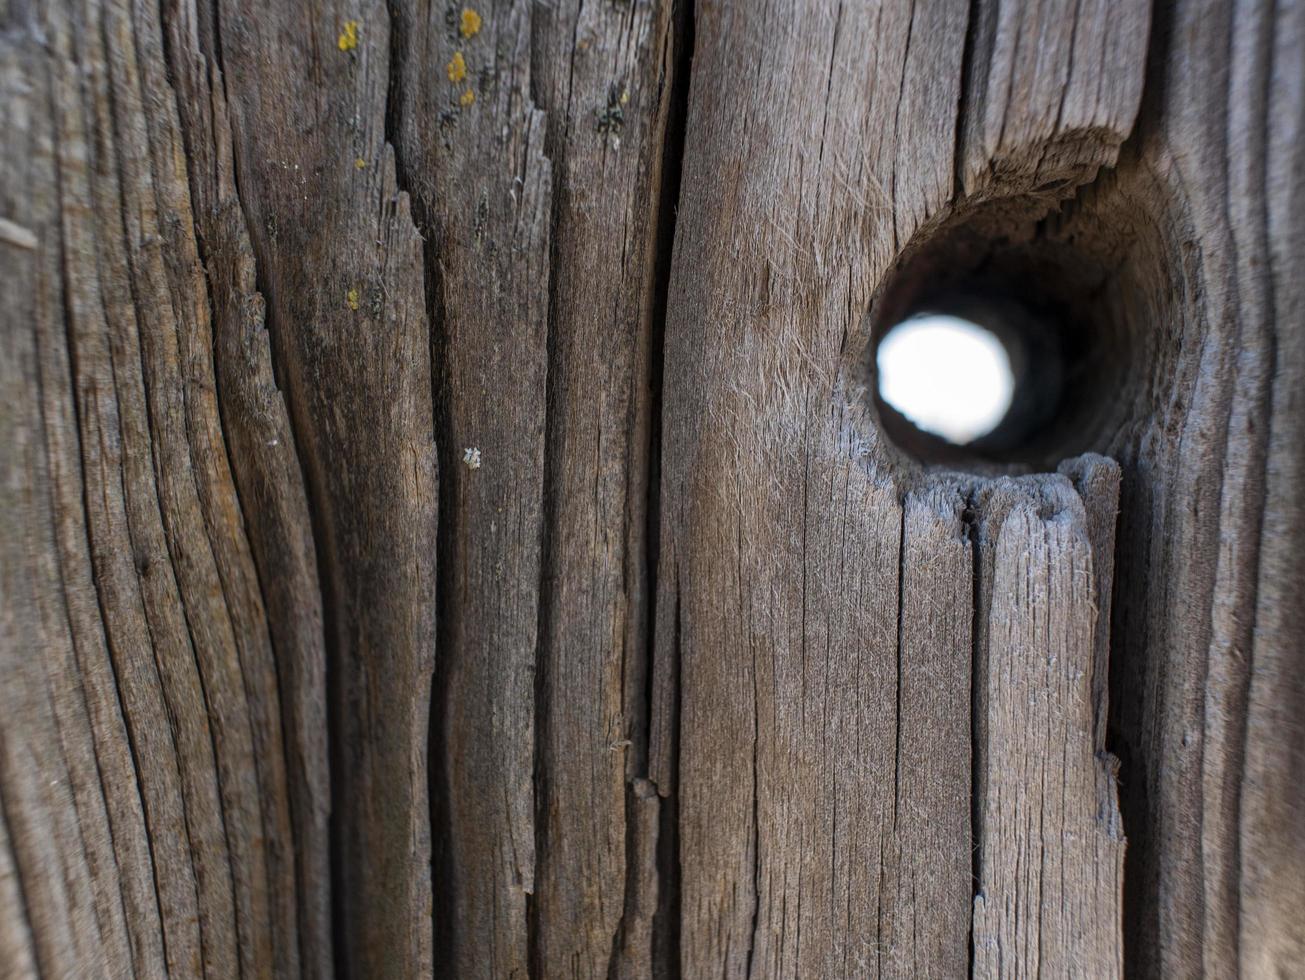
[351,297]
[467,98]
[457,67]
[349,36]
[360,163]
[470,22]
[625,96]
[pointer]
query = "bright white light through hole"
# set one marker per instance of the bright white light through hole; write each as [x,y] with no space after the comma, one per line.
[948,376]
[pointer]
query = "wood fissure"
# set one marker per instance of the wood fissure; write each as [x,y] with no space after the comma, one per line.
[269,480]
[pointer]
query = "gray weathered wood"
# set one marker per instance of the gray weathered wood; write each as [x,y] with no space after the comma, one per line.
[781,523]
[482,187]
[346,310]
[705,663]
[1271,889]
[1050,859]
[929,877]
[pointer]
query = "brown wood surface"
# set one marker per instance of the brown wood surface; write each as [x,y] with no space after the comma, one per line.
[447,526]
[1050,845]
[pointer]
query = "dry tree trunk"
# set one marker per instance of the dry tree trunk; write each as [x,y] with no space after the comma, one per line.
[449,527]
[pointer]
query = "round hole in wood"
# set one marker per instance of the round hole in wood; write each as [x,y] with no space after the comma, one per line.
[1052,291]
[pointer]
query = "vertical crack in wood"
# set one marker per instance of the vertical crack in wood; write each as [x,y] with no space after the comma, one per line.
[555,147]
[925,875]
[663,926]
[974,56]
[970,535]
[437,790]
[891,865]
[471,140]
[611,140]
[399,105]
[334,236]
[1096,481]
[270,487]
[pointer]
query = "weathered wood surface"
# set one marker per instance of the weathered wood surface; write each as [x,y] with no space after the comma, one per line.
[1050,846]
[448,528]
[781,547]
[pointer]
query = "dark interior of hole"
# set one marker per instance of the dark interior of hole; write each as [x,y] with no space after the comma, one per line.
[1051,292]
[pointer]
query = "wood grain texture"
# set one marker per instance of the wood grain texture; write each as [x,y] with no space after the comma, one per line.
[1096,480]
[1196,212]
[1272,798]
[781,514]
[928,876]
[266,467]
[541,685]
[705,664]
[779,543]
[178,747]
[1052,90]
[58,897]
[482,184]
[342,265]
[94,357]
[1050,858]
[607,106]
[17,958]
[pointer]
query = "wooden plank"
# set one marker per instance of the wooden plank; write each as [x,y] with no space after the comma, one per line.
[928,877]
[1271,890]
[780,535]
[602,73]
[1050,854]
[354,356]
[471,143]
[780,542]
